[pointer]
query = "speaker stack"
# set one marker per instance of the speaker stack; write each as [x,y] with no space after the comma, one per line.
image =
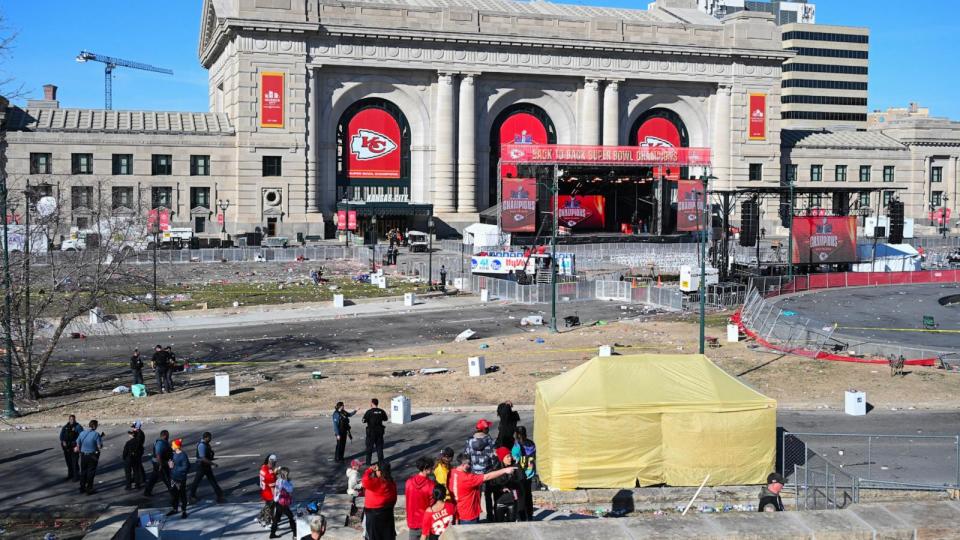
[896,222]
[749,223]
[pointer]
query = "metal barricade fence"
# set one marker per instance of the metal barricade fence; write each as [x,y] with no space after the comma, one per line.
[819,484]
[868,461]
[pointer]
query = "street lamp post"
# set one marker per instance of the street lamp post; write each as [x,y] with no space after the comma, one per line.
[9,410]
[223,204]
[155,231]
[704,224]
[430,226]
[932,209]
[373,246]
[944,222]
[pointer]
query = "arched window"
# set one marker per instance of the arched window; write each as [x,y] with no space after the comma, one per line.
[373,150]
[521,123]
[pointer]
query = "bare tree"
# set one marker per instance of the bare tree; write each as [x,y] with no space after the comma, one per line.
[52,290]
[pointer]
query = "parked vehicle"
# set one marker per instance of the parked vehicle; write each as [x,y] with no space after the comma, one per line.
[418,241]
[16,235]
[275,242]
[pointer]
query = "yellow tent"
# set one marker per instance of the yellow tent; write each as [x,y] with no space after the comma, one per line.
[654,419]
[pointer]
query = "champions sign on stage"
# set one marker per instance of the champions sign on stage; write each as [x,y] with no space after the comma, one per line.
[824,240]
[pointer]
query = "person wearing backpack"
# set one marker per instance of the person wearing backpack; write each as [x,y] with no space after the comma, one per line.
[483,459]
[282,501]
[525,456]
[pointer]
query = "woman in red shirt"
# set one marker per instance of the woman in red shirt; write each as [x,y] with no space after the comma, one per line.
[438,516]
[268,479]
[380,496]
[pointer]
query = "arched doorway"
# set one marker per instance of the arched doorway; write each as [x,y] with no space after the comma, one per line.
[520,123]
[661,127]
[373,165]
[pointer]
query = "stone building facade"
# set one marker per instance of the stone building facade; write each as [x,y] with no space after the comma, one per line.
[290,82]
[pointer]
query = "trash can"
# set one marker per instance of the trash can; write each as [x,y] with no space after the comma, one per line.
[222,384]
[855,403]
[476,366]
[400,410]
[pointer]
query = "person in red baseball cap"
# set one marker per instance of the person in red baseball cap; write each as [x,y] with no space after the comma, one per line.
[483,458]
[507,491]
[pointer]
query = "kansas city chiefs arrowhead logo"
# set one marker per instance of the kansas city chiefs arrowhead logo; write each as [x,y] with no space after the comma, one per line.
[367,144]
[650,140]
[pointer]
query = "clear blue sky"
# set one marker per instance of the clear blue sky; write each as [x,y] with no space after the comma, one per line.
[913,50]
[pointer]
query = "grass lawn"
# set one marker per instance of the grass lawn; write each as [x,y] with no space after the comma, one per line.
[188,296]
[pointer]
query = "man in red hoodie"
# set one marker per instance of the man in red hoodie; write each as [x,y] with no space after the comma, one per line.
[418,490]
[466,485]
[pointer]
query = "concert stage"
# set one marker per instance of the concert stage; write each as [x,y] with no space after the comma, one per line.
[606,238]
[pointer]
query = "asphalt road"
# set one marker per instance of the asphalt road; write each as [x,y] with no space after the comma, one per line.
[884,314]
[105,357]
[32,470]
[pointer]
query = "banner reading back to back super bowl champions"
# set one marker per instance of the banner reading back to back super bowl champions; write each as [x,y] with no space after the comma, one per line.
[824,240]
[518,209]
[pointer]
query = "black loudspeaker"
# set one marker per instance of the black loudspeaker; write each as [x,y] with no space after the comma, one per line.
[841,204]
[896,222]
[749,223]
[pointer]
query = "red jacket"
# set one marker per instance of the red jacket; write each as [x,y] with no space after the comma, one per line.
[418,492]
[378,493]
[267,481]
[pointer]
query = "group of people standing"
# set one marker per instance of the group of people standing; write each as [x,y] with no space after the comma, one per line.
[171,465]
[449,489]
[163,363]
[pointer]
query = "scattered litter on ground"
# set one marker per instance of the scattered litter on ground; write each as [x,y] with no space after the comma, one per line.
[531,320]
[464,336]
[539,340]
[403,373]
[484,346]
[493,369]
[433,371]
[121,390]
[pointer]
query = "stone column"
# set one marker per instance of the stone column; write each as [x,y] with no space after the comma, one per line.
[611,113]
[721,137]
[952,186]
[590,123]
[466,148]
[442,191]
[313,142]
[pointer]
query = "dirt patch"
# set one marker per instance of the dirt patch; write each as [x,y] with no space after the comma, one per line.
[520,361]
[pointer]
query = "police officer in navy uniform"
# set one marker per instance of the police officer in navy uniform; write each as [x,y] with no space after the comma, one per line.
[205,457]
[374,418]
[89,444]
[68,443]
[136,367]
[162,453]
[159,362]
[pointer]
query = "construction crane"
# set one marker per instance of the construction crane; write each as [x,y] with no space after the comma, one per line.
[111,63]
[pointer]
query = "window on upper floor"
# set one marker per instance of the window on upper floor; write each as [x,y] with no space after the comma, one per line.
[41,163]
[756,172]
[81,163]
[272,166]
[161,197]
[122,164]
[199,165]
[888,173]
[816,173]
[864,173]
[936,175]
[121,197]
[840,173]
[199,197]
[161,165]
[81,197]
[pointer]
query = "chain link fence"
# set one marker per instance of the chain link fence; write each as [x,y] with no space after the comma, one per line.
[830,470]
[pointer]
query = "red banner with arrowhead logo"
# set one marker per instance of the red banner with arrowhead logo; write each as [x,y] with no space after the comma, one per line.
[658,132]
[758,117]
[582,211]
[689,205]
[271,100]
[518,209]
[824,240]
[373,137]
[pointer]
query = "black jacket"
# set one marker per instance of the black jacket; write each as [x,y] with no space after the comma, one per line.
[509,419]
[769,497]
[159,360]
[136,362]
[374,419]
[514,486]
[69,434]
[133,449]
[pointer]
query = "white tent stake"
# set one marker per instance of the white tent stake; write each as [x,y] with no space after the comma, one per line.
[695,495]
